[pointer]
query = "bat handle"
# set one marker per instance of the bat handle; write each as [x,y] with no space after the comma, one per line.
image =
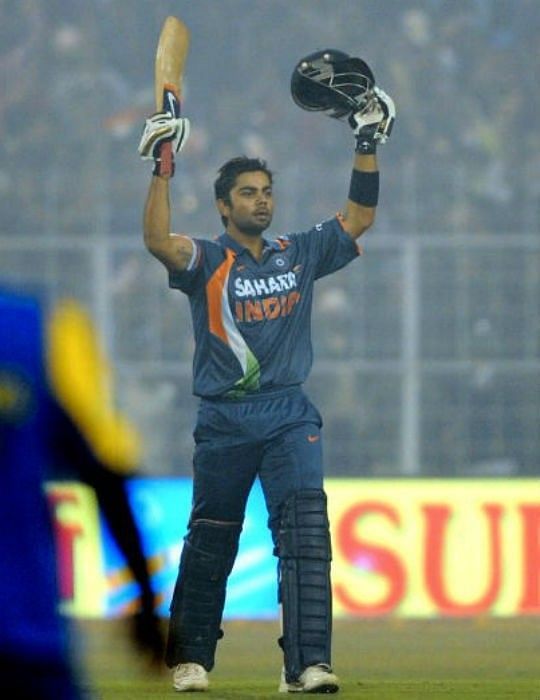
[171,103]
[166,160]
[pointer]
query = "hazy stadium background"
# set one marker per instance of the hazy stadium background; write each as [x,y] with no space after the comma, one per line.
[427,349]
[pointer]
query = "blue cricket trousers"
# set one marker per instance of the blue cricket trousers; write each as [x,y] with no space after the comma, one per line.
[276,437]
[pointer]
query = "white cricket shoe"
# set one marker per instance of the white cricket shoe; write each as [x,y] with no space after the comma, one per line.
[315,679]
[190,677]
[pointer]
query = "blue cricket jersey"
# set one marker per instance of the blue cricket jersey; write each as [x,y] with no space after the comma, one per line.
[252,319]
[31,627]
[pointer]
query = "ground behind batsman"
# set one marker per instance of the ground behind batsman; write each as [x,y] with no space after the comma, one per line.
[251,301]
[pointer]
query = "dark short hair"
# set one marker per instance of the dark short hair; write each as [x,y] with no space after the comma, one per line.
[230,170]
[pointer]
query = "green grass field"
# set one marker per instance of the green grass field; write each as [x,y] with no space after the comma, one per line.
[375,659]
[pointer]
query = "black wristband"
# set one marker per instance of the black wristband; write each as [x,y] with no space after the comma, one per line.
[364,188]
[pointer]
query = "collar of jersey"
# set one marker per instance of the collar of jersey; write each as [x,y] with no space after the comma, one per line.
[229,242]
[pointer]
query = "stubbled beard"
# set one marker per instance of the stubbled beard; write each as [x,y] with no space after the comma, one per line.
[253,231]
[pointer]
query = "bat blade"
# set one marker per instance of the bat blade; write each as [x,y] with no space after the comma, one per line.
[171,53]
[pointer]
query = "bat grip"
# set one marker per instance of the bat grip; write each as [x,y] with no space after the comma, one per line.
[166,160]
[171,103]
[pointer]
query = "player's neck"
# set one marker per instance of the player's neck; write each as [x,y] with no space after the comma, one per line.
[254,243]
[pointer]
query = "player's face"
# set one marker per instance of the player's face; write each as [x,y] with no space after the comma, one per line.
[251,205]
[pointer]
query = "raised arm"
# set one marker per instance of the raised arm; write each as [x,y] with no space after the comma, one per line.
[358,216]
[343,86]
[174,251]
[371,126]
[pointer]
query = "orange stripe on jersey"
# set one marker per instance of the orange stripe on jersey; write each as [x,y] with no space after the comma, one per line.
[215,289]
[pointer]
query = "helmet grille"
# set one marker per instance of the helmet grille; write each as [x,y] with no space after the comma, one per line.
[332,82]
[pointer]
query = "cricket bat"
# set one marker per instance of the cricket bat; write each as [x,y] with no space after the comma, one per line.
[171,53]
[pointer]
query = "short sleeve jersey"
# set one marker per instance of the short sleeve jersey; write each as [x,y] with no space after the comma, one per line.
[252,319]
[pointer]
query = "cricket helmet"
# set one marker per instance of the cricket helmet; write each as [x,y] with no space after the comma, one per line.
[332,82]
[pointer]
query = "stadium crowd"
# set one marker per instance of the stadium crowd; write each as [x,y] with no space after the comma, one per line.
[463,160]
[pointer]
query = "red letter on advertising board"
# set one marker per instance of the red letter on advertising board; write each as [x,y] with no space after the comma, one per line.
[379,559]
[436,525]
[530,603]
[65,545]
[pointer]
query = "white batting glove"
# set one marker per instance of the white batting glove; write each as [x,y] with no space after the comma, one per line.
[373,124]
[160,128]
